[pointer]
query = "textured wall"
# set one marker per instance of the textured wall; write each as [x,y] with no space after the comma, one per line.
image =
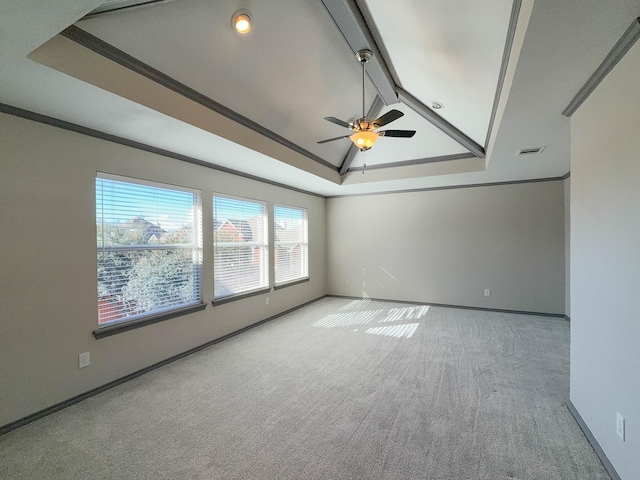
[447,246]
[48,305]
[605,262]
[567,247]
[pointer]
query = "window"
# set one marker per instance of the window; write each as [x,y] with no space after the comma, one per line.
[240,247]
[291,244]
[149,249]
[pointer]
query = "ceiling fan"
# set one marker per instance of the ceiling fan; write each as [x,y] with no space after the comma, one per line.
[365,135]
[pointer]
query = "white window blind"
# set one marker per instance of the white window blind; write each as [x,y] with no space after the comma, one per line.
[149,248]
[240,246]
[291,244]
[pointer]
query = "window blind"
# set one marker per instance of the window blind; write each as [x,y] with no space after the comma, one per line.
[291,244]
[240,246]
[149,245]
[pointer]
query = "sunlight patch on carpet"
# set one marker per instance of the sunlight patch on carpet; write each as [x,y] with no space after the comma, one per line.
[406,313]
[399,331]
[345,319]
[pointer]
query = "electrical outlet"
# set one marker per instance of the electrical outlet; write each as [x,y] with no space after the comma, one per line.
[84,360]
[487,292]
[267,301]
[620,426]
[364,284]
[346,283]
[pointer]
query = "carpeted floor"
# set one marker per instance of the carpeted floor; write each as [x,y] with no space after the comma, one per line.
[339,389]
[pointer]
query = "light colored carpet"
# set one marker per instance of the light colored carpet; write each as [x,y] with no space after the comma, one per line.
[340,389]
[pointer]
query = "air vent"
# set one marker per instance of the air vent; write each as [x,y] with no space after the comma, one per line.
[529,151]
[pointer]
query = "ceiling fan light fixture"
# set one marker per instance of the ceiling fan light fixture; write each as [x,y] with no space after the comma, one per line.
[365,136]
[241,21]
[364,140]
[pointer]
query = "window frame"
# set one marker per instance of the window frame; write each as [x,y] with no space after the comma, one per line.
[264,285]
[304,277]
[136,320]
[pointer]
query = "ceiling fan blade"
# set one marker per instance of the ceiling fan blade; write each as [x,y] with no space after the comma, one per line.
[388,117]
[397,133]
[332,139]
[337,121]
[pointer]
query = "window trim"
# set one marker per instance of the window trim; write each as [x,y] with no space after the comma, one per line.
[125,326]
[122,325]
[291,283]
[147,183]
[240,296]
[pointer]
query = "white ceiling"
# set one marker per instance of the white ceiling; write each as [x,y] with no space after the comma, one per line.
[295,67]
[449,52]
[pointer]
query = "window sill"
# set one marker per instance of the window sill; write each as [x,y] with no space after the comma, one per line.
[141,322]
[293,282]
[240,296]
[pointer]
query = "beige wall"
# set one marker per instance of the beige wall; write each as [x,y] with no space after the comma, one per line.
[48,265]
[442,246]
[447,246]
[567,247]
[605,263]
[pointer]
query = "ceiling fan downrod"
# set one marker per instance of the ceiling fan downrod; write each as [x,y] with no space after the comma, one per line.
[363,56]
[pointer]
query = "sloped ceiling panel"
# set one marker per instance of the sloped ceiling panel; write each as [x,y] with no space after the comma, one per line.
[290,72]
[456,63]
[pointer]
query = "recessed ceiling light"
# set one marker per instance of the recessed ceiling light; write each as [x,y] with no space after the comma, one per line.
[436,105]
[241,21]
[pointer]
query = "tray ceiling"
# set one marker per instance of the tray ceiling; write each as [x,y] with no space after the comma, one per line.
[295,67]
[255,104]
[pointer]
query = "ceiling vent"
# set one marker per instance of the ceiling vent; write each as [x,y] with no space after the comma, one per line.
[529,151]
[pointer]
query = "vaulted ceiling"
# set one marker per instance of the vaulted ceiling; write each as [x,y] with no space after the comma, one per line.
[174,75]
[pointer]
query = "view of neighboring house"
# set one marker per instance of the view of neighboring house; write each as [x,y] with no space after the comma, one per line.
[288,252]
[240,256]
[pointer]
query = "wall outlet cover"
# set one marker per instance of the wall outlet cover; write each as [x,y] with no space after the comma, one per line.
[84,360]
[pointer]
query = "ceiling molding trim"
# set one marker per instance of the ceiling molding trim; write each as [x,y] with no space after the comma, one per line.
[348,159]
[417,161]
[373,112]
[622,46]
[511,32]
[349,20]
[375,34]
[451,187]
[448,128]
[566,175]
[119,5]
[107,50]
[72,127]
